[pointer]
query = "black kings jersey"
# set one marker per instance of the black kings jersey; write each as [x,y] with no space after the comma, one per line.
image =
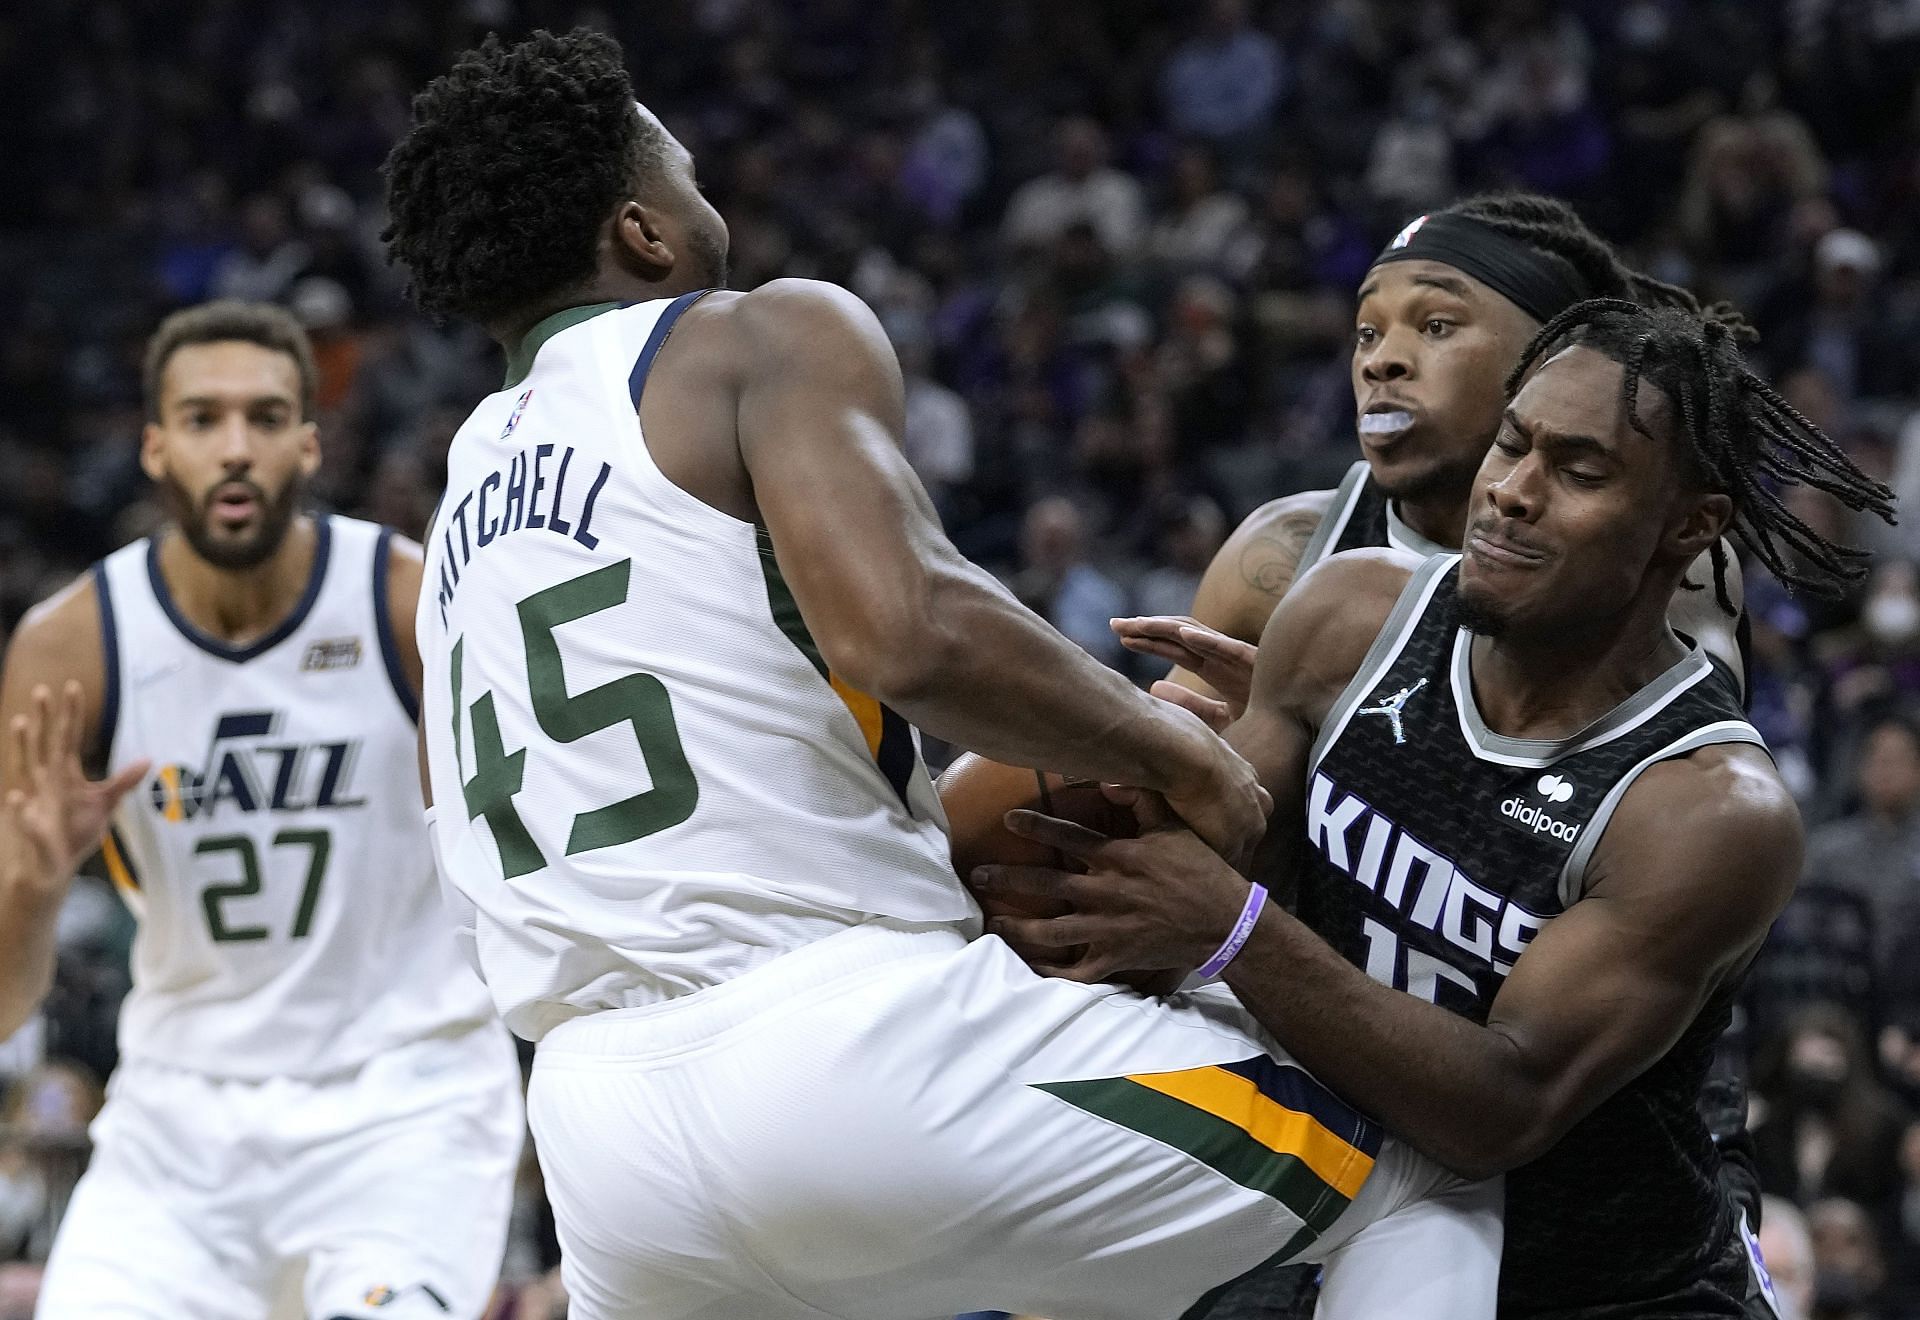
[1439,850]
[1361,516]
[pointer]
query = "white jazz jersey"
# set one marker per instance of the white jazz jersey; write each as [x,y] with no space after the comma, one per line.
[290,925]
[645,780]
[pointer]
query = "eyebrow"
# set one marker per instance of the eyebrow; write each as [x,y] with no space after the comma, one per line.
[216,400]
[1563,440]
[1445,283]
[1454,285]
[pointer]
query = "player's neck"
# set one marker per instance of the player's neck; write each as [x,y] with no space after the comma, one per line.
[606,287]
[1441,518]
[238,605]
[1554,683]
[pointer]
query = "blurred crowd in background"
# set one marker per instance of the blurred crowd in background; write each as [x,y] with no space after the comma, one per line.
[1115,243]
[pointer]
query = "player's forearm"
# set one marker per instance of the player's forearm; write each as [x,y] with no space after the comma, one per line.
[1454,1090]
[29,921]
[991,676]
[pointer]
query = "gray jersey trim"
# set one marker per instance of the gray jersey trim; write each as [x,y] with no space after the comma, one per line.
[1539,753]
[1573,876]
[1334,521]
[1386,648]
[1402,537]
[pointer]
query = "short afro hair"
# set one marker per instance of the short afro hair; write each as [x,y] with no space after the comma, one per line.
[228,321]
[516,157]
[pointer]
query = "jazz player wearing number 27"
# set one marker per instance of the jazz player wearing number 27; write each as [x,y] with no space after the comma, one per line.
[310,1079]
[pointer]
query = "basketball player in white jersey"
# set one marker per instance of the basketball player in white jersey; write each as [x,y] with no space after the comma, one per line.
[679,585]
[311,1080]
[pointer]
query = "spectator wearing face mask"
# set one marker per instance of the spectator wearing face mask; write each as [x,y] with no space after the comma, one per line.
[1891,614]
[1875,851]
[1826,1127]
[1880,660]
[1850,1268]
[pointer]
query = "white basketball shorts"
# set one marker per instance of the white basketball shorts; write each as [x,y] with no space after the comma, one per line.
[896,1125]
[390,1186]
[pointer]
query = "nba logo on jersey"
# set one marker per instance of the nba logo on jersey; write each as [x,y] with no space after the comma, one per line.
[519,408]
[1400,240]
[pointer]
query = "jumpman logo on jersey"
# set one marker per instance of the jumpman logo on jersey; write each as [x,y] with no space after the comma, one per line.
[1392,708]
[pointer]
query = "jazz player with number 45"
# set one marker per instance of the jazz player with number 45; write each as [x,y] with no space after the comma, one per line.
[311,1080]
[680,583]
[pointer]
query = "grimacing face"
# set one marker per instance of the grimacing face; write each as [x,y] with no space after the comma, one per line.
[1432,349]
[1573,508]
[231,451]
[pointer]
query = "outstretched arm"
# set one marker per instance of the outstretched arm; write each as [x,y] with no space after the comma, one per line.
[1697,862]
[897,612]
[1149,903]
[1699,858]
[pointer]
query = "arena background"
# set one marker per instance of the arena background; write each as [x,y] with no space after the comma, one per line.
[1115,243]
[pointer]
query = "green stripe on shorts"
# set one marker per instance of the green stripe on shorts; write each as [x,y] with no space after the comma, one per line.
[1216,1143]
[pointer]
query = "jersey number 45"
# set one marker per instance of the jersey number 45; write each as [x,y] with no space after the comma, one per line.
[639,700]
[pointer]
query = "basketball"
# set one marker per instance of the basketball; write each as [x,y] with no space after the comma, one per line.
[978,794]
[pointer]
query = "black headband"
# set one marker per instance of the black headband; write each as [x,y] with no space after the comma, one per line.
[1539,284]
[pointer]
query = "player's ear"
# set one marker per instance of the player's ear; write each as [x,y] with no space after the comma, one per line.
[642,240]
[1704,519]
[309,449]
[153,443]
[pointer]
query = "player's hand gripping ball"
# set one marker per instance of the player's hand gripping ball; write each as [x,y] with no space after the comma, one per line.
[978,794]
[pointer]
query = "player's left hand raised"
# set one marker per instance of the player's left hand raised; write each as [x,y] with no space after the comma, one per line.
[1162,902]
[57,815]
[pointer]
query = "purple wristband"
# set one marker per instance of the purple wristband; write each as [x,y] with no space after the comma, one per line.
[1242,930]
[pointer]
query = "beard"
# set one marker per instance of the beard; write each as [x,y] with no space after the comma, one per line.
[1444,478]
[1480,617]
[710,256]
[253,548]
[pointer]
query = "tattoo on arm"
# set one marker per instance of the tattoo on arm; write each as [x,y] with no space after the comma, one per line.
[1269,562]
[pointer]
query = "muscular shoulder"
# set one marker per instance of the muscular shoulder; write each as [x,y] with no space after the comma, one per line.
[65,626]
[1714,834]
[792,320]
[1258,563]
[1318,636]
[58,640]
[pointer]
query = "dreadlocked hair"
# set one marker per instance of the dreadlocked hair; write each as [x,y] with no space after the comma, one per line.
[516,157]
[1741,437]
[1554,230]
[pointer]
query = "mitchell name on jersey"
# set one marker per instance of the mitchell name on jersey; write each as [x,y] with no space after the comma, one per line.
[516,497]
[646,779]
